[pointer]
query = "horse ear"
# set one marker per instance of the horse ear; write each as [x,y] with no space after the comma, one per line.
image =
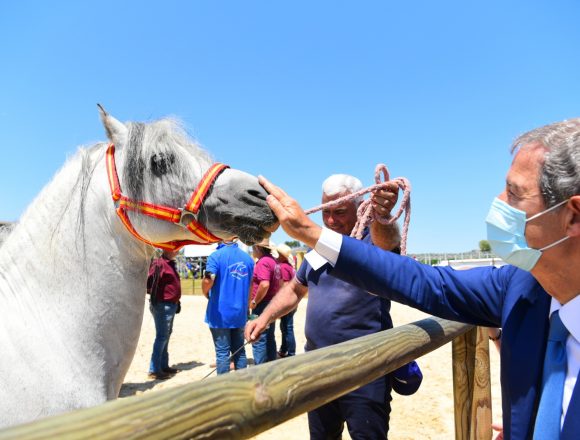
[116,131]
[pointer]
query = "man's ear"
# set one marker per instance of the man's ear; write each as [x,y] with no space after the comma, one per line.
[573,204]
[116,131]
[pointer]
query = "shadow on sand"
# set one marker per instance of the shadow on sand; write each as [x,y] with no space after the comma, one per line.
[130,389]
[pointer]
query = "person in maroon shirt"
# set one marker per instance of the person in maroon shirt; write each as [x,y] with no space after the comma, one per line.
[164,287]
[266,281]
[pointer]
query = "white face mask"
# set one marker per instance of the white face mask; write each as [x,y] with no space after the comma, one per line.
[506,227]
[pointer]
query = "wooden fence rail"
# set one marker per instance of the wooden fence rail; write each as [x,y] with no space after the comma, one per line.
[245,403]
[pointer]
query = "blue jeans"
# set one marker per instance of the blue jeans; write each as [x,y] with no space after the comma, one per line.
[264,349]
[163,314]
[226,342]
[288,345]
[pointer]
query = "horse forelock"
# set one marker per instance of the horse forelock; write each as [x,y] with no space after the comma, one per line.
[167,141]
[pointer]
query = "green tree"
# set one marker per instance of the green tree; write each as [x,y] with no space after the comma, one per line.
[292,243]
[484,246]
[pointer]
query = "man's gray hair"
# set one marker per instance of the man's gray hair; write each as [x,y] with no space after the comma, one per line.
[560,174]
[342,183]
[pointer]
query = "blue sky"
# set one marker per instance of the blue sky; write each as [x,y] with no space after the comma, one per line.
[297,91]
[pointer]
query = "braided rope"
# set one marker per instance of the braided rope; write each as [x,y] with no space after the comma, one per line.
[366,213]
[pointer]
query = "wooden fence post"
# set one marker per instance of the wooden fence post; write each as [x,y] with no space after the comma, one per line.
[472,385]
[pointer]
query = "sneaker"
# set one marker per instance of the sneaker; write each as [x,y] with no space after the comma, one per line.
[171,371]
[282,355]
[159,376]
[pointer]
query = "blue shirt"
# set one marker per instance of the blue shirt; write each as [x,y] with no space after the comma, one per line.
[338,311]
[228,298]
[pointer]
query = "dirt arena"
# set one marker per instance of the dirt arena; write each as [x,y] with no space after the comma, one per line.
[428,414]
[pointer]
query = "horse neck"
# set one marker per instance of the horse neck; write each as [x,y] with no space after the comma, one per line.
[72,289]
[69,242]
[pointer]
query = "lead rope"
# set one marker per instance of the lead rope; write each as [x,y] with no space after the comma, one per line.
[231,358]
[366,213]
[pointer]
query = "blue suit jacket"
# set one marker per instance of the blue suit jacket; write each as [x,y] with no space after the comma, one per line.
[506,297]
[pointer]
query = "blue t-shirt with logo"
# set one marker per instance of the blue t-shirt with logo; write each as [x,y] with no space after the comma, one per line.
[228,298]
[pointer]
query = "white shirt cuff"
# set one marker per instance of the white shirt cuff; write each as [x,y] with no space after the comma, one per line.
[326,250]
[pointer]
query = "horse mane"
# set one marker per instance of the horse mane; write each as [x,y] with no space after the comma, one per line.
[82,181]
[165,137]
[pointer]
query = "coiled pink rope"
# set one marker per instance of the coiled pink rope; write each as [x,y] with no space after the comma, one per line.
[366,213]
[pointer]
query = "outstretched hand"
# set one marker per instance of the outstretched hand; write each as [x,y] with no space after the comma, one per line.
[290,215]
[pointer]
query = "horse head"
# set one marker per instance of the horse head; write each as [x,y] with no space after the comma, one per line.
[161,167]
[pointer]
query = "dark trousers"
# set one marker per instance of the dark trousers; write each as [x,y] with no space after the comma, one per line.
[288,345]
[365,419]
[264,349]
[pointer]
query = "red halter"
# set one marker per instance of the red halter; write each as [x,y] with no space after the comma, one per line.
[173,215]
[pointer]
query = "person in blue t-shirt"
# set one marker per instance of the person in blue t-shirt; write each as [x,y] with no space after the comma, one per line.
[226,284]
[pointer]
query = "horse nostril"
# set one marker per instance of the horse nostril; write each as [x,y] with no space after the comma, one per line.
[259,194]
[254,197]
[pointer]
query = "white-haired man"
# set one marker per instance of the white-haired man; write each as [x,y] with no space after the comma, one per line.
[338,312]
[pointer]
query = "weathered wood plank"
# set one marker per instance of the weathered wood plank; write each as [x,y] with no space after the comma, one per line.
[243,404]
[472,385]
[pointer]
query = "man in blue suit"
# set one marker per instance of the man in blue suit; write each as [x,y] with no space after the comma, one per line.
[534,225]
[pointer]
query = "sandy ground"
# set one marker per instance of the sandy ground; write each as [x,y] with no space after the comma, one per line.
[428,414]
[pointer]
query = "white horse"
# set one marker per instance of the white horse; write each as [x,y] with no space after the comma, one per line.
[72,275]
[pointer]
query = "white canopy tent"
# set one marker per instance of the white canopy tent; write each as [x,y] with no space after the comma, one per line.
[198,250]
[203,250]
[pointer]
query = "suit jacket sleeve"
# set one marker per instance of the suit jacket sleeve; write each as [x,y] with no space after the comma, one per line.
[473,296]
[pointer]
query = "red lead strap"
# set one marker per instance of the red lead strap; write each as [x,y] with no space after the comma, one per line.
[161,212]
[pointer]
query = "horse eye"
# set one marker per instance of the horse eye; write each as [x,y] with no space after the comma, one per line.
[161,162]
